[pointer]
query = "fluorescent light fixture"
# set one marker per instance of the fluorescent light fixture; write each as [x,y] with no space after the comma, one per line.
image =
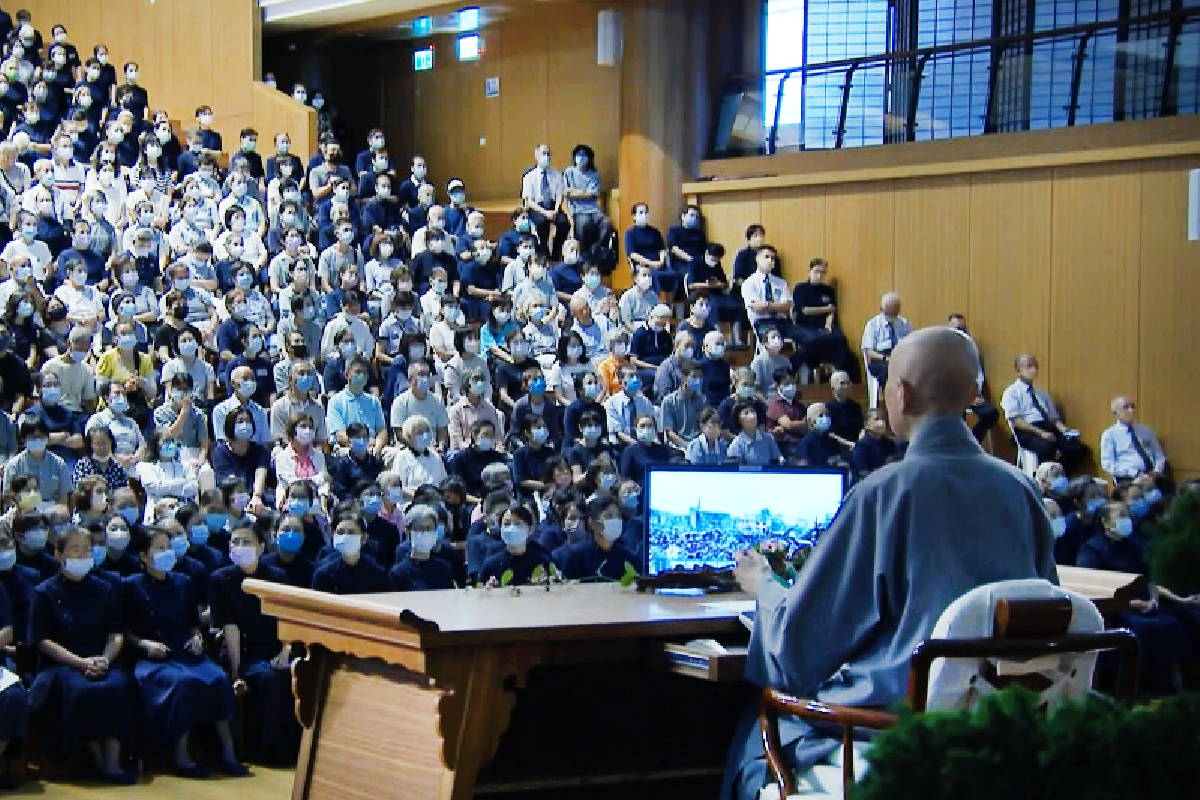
[423,59]
[468,18]
[468,47]
[279,10]
[422,26]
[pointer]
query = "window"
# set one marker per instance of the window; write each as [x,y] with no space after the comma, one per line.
[468,19]
[423,59]
[785,49]
[468,47]
[422,26]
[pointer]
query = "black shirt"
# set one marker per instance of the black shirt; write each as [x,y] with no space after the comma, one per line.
[17,380]
[812,295]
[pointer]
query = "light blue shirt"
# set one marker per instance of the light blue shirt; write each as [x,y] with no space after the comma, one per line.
[262,426]
[345,408]
[701,455]
[757,452]
[1119,457]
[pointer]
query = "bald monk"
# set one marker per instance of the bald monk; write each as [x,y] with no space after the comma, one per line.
[909,540]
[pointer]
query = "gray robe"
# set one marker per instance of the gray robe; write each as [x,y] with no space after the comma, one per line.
[908,541]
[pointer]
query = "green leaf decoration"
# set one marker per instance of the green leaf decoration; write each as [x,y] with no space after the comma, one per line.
[554,573]
[630,576]
[507,578]
[539,573]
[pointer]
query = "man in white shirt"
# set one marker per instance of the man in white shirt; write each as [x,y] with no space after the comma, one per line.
[624,407]
[1129,449]
[881,335]
[1035,421]
[542,191]
[768,300]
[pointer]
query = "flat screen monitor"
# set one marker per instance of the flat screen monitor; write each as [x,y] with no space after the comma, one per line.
[700,517]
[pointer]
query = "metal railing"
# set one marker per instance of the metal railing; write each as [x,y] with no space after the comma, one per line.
[1170,74]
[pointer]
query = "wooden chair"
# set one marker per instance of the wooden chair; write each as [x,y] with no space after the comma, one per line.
[1026,628]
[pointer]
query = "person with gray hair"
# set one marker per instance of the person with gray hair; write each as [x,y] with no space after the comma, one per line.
[420,568]
[419,398]
[75,375]
[881,335]
[669,375]
[910,539]
[1128,448]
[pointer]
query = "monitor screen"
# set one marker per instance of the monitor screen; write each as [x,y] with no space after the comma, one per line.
[701,517]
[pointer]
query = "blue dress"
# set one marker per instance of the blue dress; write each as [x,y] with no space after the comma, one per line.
[587,560]
[269,721]
[14,701]
[181,690]
[74,709]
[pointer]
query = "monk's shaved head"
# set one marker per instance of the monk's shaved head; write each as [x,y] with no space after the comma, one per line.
[932,373]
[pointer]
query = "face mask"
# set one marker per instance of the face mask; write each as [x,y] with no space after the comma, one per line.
[348,545]
[1139,508]
[372,504]
[502,317]
[300,97]
[8,559]
[24,308]
[591,391]
[253,346]
[1123,527]
[187,349]
[197,535]
[242,431]
[540,435]
[1094,505]
[297,506]
[423,440]
[244,555]
[289,542]
[479,387]
[1058,485]
[129,514]
[633,384]
[695,384]
[717,350]
[1153,496]
[347,349]
[77,568]
[28,232]
[358,446]
[419,172]
[304,435]
[424,541]
[99,554]
[51,395]
[620,348]
[120,404]
[821,424]
[23,274]
[646,435]
[35,539]
[169,451]
[591,433]
[165,560]
[395,493]
[613,528]
[745,392]
[176,396]
[592,281]
[608,480]
[514,535]
[574,351]
[318,102]
[249,145]
[117,539]
[416,353]
[305,382]
[471,346]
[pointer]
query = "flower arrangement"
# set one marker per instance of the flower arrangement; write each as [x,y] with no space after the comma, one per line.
[785,560]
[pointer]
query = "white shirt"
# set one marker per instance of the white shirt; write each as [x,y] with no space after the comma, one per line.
[1017,402]
[1118,456]
[364,340]
[531,185]
[764,288]
[37,251]
[876,335]
[415,470]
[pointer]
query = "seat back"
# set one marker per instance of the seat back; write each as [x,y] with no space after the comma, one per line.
[1027,460]
[1029,632]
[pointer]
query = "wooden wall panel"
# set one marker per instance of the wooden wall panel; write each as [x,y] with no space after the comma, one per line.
[1095,255]
[725,221]
[189,53]
[1008,310]
[933,248]
[1168,382]
[860,242]
[796,227]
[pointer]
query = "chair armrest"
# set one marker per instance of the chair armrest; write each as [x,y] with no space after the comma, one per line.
[848,717]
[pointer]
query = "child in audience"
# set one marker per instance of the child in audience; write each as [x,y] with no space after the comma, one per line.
[180,686]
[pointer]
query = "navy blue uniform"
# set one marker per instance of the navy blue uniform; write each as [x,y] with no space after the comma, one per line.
[522,564]
[299,571]
[18,584]
[550,411]
[482,544]
[41,562]
[845,418]
[1066,547]
[818,450]
[269,718]
[587,560]
[648,242]
[181,690]
[469,464]
[14,701]
[348,471]
[421,574]
[337,577]
[717,380]
[73,709]
[638,456]
[869,454]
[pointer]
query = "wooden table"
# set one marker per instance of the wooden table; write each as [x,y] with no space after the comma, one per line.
[407,695]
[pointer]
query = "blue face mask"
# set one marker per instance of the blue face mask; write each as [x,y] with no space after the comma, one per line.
[290,542]
[297,506]
[180,544]
[1123,527]
[164,560]
[1094,505]
[630,501]
[305,383]
[8,559]
[1139,508]
[633,385]
[1152,496]
[1059,526]
[99,554]
[695,384]
[129,514]
[372,504]
[358,446]
[215,522]
[1058,485]
[537,385]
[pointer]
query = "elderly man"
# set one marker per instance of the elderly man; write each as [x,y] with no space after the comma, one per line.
[881,335]
[909,540]
[244,386]
[542,192]
[1035,421]
[1129,449]
[593,329]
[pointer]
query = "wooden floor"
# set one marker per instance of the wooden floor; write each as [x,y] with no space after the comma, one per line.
[264,784]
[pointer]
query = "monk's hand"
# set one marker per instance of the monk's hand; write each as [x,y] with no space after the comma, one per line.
[752,571]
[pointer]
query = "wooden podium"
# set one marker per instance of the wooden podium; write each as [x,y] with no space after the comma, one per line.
[406,695]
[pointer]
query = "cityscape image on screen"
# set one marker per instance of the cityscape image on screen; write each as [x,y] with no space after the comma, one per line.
[697,519]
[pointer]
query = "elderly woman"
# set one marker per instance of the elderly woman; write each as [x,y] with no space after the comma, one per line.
[416,462]
[300,460]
